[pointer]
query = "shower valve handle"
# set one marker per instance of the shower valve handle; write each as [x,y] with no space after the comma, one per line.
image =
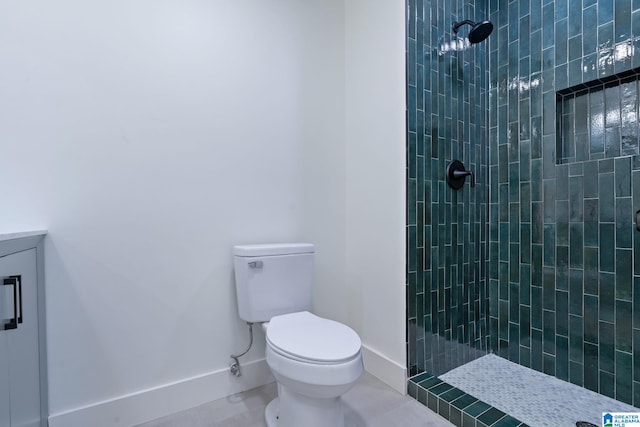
[457,174]
[462,174]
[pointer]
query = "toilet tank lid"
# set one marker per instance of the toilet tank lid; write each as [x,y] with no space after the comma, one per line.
[273,249]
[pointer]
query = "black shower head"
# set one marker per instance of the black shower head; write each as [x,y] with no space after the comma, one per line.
[478,32]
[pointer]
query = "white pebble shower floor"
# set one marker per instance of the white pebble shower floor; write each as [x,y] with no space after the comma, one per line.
[534,398]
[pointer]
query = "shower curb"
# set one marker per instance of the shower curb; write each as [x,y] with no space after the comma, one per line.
[459,408]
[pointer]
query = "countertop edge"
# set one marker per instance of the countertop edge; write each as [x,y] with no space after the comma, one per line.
[11,243]
[22,235]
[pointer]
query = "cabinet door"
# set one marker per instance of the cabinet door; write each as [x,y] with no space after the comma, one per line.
[5,401]
[22,343]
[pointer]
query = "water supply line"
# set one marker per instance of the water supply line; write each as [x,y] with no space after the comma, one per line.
[235,366]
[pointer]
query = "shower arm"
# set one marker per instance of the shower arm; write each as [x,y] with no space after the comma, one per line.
[456,25]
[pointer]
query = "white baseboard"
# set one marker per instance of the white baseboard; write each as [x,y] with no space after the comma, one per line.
[388,371]
[147,405]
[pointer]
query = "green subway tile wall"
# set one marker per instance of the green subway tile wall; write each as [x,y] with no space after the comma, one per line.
[447,253]
[540,262]
[563,114]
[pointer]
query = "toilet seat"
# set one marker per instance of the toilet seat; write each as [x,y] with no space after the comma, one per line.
[305,337]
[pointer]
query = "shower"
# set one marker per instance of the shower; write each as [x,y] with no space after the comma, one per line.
[529,278]
[479,31]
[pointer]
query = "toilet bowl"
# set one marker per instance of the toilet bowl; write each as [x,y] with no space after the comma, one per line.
[314,361]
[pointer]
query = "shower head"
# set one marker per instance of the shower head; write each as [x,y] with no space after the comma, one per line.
[478,32]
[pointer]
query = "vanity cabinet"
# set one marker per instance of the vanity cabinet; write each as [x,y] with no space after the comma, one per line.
[23,399]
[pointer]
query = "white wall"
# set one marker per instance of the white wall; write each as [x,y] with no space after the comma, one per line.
[151,136]
[375,108]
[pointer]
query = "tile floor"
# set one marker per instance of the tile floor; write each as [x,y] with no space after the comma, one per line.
[370,403]
[534,398]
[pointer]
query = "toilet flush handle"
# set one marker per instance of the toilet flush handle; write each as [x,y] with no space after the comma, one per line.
[255,264]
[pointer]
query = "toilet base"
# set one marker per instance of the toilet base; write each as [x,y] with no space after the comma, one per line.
[271,413]
[292,409]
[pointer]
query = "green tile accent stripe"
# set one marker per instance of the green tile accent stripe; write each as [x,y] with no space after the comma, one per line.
[456,406]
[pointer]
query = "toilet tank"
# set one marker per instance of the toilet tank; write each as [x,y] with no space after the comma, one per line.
[273,279]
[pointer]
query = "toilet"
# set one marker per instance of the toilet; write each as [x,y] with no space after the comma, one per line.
[314,360]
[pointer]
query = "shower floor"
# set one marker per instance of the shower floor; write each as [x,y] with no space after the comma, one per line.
[532,397]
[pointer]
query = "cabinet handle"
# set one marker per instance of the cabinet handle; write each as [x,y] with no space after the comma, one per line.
[16,282]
